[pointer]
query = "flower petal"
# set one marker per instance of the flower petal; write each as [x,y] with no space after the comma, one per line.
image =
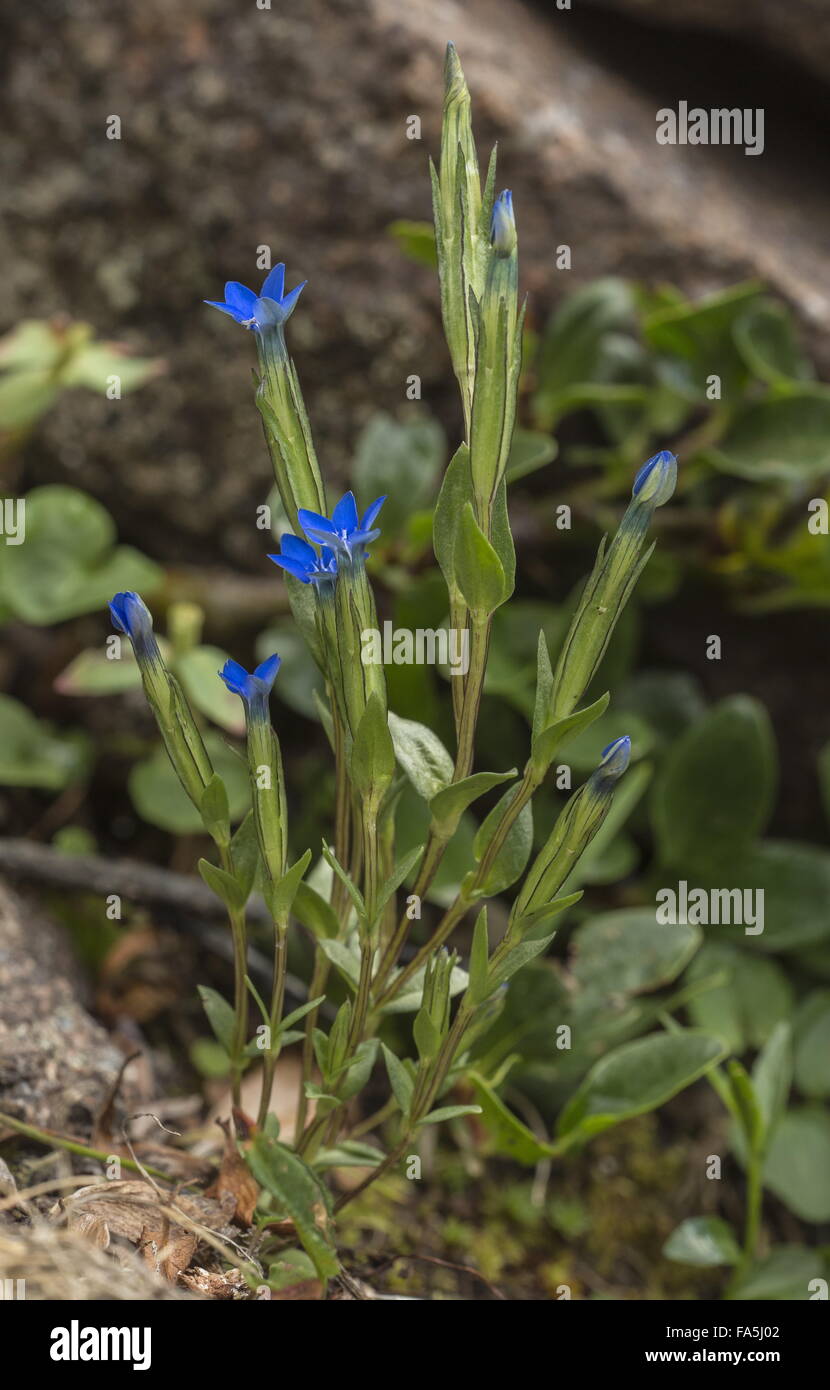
[239,297]
[344,516]
[290,300]
[226,309]
[295,567]
[237,679]
[314,521]
[370,513]
[267,670]
[273,286]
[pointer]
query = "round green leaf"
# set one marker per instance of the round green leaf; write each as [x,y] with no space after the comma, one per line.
[797,1167]
[703,1241]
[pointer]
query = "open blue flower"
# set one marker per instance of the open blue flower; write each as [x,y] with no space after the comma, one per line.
[131,616]
[253,687]
[345,534]
[299,558]
[269,309]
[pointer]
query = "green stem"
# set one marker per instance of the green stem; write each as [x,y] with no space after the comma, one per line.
[240,989]
[277,1003]
[59,1141]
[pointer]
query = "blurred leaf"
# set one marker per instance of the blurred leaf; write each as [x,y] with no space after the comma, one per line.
[571,345]
[92,672]
[744,1011]
[401,462]
[668,701]
[299,675]
[69,563]
[795,882]
[159,797]
[510,1136]
[783,439]
[702,336]
[529,451]
[765,335]
[772,1076]
[24,397]
[198,670]
[416,240]
[812,1045]
[628,952]
[635,1078]
[703,1241]
[785,1275]
[797,1166]
[220,1016]
[714,792]
[422,756]
[33,755]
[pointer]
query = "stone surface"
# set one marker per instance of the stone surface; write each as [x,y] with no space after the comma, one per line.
[56,1063]
[800,27]
[286,127]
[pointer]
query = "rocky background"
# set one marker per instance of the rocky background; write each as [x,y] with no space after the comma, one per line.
[286,127]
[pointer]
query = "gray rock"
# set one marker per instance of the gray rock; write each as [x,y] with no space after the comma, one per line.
[56,1063]
[286,127]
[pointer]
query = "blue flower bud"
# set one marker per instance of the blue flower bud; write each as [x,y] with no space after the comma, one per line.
[131,616]
[656,480]
[613,763]
[503,225]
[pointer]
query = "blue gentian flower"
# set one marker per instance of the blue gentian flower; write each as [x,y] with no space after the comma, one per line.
[503,225]
[132,617]
[253,687]
[656,480]
[345,534]
[269,309]
[301,559]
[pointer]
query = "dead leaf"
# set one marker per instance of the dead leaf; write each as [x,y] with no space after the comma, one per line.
[215,1285]
[235,1178]
[133,1211]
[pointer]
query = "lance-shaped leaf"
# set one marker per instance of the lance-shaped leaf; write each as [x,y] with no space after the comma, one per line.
[477,569]
[422,756]
[301,1196]
[449,804]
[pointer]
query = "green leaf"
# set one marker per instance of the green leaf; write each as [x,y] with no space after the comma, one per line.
[477,990]
[703,1241]
[812,1046]
[427,1037]
[33,755]
[314,912]
[400,873]
[549,739]
[280,896]
[629,952]
[302,1197]
[300,684]
[772,1076]
[422,756]
[345,960]
[449,804]
[781,439]
[510,1136]
[571,347]
[350,1153]
[530,924]
[160,799]
[373,755]
[477,570]
[797,1166]
[215,810]
[70,563]
[245,854]
[745,1009]
[714,792]
[346,879]
[223,884]
[449,1112]
[198,670]
[636,1078]
[220,1016]
[399,1079]
[784,1276]
[456,491]
[511,860]
[290,1269]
